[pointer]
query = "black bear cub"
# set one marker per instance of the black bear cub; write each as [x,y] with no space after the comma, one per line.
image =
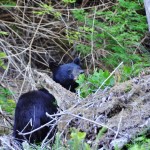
[67,74]
[32,106]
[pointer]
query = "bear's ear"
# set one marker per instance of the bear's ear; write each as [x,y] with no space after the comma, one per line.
[77,61]
[53,65]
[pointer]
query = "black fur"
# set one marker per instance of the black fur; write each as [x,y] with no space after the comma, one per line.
[66,74]
[32,106]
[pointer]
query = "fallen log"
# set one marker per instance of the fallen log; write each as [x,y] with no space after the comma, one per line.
[123,110]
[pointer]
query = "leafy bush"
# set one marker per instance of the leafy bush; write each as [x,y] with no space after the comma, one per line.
[99,79]
[117,30]
[127,72]
[48,9]
[140,143]
[76,142]
[6,103]
[8,3]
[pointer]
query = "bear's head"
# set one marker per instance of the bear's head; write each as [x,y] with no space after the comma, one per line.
[66,74]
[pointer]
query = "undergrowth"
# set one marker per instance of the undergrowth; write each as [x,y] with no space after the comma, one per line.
[100,79]
[8,2]
[91,83]
[141,142]
[6,103]
[116,32]
[76,141]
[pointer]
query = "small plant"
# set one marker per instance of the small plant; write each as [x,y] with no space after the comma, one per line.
[58,144]
[3,33]
[73,36]
[98,137]
[69,1]
[90,84]
[48,9]
[6,103]
[2,56]
[77,141]
[140,143]
[8,3]
[27,146]
[128,72]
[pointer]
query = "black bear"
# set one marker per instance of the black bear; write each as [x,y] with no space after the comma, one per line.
[32,106]
[30,114]
[67,74]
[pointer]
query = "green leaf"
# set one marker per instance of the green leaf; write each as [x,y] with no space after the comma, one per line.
[79,135]
[3,33]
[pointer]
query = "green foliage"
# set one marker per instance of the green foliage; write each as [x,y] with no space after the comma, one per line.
[69,1]
[101,133]
[8,3]
[77,141]
[128,72]
[27,146]
[48,9]
[102,79]
[72,36]
[90,84]
[84,48]
[3,33]
[6,103]
[2,56]
[118,31]
[140,143]
[98,137]
[58,143]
